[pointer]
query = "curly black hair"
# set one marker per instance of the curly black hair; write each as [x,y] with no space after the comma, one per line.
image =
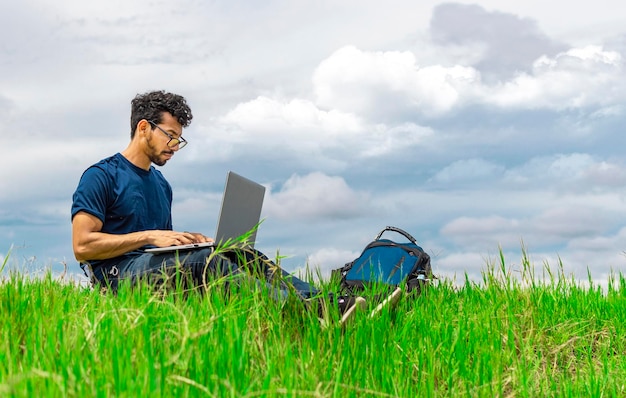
[151,105]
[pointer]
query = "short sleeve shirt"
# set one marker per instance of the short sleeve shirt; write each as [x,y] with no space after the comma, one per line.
[124,197]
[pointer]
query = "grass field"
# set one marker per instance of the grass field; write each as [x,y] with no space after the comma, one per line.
[513,334]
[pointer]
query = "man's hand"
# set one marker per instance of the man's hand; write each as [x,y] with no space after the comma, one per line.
[162,238]
[199,238]
[89,243]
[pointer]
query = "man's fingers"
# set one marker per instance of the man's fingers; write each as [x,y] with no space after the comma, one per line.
[188,237]
[196,237]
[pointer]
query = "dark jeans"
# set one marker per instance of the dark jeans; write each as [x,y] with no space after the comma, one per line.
[198,267]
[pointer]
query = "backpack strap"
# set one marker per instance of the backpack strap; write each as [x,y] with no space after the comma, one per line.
[398,230]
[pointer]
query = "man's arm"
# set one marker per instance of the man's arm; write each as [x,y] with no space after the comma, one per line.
[89,243]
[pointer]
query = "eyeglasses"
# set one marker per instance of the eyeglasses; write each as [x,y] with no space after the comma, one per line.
[180,141]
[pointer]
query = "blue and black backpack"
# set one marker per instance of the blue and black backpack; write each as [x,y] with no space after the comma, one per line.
[387,262]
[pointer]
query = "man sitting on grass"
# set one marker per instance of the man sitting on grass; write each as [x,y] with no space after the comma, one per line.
[122,206]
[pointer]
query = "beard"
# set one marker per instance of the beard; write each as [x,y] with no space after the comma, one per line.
[155,156]
[156,159]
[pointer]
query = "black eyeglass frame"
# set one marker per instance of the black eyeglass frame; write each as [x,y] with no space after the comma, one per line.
[180,141]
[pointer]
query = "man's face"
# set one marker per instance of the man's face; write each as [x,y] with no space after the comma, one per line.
[168,131]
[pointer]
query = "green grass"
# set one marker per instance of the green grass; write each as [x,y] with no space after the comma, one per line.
[515,334]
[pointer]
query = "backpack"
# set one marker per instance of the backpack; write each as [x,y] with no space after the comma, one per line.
[384,261]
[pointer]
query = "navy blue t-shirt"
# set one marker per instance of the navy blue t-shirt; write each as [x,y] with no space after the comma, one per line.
[124,197]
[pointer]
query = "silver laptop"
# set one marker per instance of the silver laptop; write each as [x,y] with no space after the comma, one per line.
[240,212]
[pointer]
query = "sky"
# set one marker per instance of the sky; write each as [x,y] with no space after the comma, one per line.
[478,127]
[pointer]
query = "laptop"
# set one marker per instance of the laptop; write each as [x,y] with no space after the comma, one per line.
[240,212]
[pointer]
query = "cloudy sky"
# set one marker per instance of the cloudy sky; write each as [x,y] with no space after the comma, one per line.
[472,125]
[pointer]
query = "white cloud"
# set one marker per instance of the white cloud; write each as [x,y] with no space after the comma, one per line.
[577,78]
[572,172]
[315,196]
[273,119]
[378,83]
[308,133]
[196,210]
[556,169]
[386,84]
[460,265]
[599,244]
[47,168]
[556,173]
[605,174]
[383,140]
[556,224]
[468,171]
[484,232]
[325,260]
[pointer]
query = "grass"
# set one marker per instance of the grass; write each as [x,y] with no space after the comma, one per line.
[510,335]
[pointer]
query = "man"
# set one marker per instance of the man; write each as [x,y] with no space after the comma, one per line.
[122,206]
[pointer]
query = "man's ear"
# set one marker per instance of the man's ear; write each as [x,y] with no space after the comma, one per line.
[143,127]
